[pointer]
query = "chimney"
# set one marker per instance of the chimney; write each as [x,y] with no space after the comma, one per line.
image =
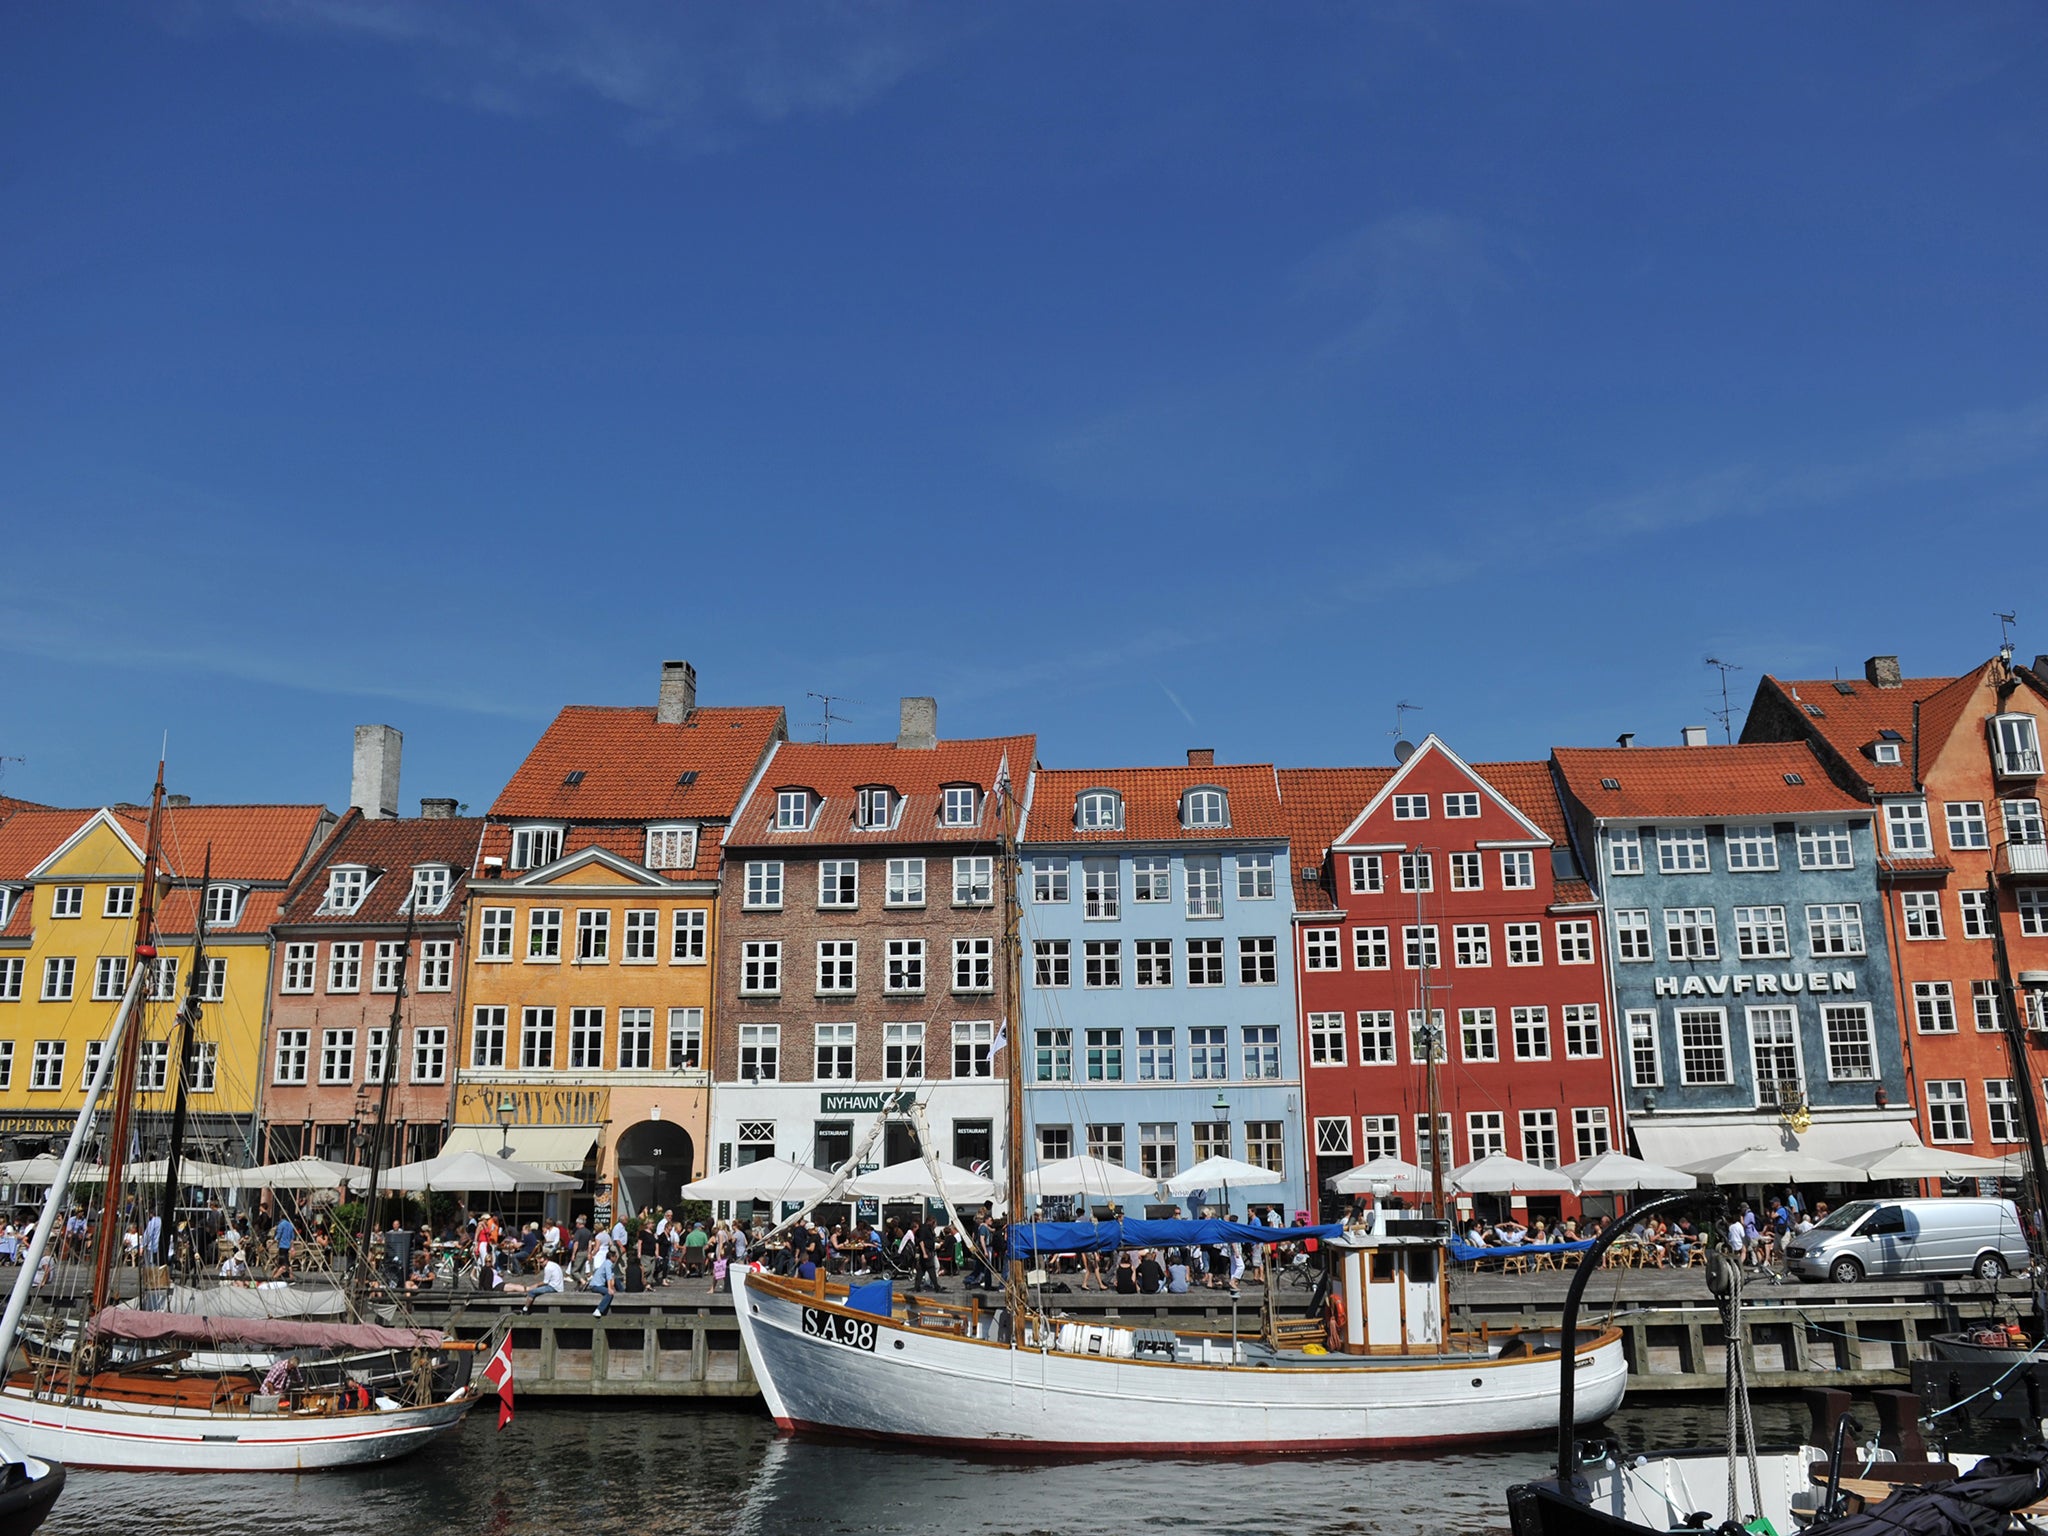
[1882,672]
[1694,736]
[373,790]
[175,801]
[678,692]
[437,810]
[1201,757]
[2040,668]
[1625,739]
[919,730]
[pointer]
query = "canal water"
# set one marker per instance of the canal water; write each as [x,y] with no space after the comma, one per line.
[705,1470]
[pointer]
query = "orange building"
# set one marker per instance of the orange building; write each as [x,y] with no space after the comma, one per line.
[1953,766]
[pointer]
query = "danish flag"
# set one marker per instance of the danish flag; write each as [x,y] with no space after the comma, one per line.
[499,1374]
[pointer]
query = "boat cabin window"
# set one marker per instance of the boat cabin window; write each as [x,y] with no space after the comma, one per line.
[1889,1219]
[1383,1264]
[1422,1265]
[1845,1218]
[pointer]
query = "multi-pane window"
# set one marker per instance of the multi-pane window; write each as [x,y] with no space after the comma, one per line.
[1468,871]
[119,901]
[1261,1044]
[1905,827]
[1155,1055]
[836,959]
[1532,1033]
[834,1044]
[1204,808]
[1255,877]
[1419,947]
[685,1039]
[387,974]
[974,965]
[544,933]
[345,890]
[1624,851]
[792,810]
[874,806]
[1376,1037]
[1524,943]
[636,1039]
[1418,872]
[1774,1050]
[1702,1045]
[1966,824]
[487,1038]
[205,1066]
[1852,1050]
[1826,845]
[974,1048]
[902,1052]
[1048,881]
[1486,1131]
[2022,822]
[1102,963]
[1205,962]
[377,1064]
[1591,1133]
[1479,1038]
[1258,962]
[586,1039]
[67,901]
[962,805]
[2002,1110]
[1379,1136]
[2033,911]
[213,981]
[1751,849]
[643,931]
[533,847]
[1053,1056]
[671,847]
[1539,1137]
[1426,1037]
[1204,880]
[293,1047]
[974,881]
[906,883]
[1152,878]
[1158,1149]
[163,985]
[760,1052]
[437,965]
[1581,1023]
[687,939]
[1320,950]
[1100,810]
[1370,950]
[494,933]
[1052,963]
[1208,1060]
[904,970]
[1689,934]
[1922,913]
[1835,928]
[1106,1142]
[1575,941]
[337,1055]
[1105,1055]
[1761,933]
[1411,807]
[764,885]
[593,934]
[1463,805]
[1368,877]
[1518,870]
[1326,1033]
[1471,944]
[838,882]
[95,1052]
[761,968]
[1153,960]
[1976,910]
[1934,1007]
[1264,1145]
[1645,1067]
[1099,889]
[11,969]
[109,977]
[1948,1110]
[1055,1143]
[1632,935]
[1682,850]
[224,904]
[430,1054]
[1984,1003]
[2015,746]
[345,967]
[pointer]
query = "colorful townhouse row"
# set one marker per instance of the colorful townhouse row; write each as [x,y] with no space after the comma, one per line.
[679,941]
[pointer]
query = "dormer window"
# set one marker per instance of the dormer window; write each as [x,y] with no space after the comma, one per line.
[792,810]
[1099,810]
[431,885]
[961,804]
[671,847]
[2015,746]
[533,847]
[877,806]
[1885,751]
[222,905]
[1204,808]
[6,904]
[346,888]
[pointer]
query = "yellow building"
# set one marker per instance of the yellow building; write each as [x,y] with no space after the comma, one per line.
[69,890]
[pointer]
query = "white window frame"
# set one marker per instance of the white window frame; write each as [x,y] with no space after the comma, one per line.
[536,846]
[290,1064]
[1826,845]
[1255,878]
[345,967]
[905,883]
[1368,874]
[1906,832]
[1715,1019]
[1969,829]
[1517,869]
[1204,808]
[1920,915]
[671,845]
[1575,941]
[1371,948]
[1529,1024]
[1580,1023]
[792,810]
[974,880]
[1645,1053]
[494,933]
[1684,851]
[1752,849]
[1624,851]
[1633,944]
[1848,1028]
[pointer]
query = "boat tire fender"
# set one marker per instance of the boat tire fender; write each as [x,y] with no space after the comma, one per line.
[1333,1322]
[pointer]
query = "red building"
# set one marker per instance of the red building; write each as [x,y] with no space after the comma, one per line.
[1441,896]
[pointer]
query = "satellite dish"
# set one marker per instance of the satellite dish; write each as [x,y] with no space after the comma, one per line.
[1403,750]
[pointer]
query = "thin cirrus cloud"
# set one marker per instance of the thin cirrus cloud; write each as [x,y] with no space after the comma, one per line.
[1402,273]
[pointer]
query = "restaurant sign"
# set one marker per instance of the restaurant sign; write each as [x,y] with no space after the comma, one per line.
[477,1104]
[880,1101]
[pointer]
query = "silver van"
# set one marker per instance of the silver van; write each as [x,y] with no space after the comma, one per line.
[1891,1238]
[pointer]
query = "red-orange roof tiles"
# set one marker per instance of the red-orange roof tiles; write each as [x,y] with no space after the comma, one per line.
[1530,789]
[1152,804]
[631,765]
[1855,713]
[248,842]
[395,845]
[1701,783]
[29,837]
[1317,804]
[835,771]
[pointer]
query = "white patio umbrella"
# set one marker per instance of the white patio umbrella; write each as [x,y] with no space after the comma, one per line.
[473,1173]
[299,1173]
[1773,1165]
[42,1169]
[1609,1172]
[1088,1176]
[1912,1160]
[1222,1172]
[912,1180]
[191,1170]
[772,1178]
[1498,1174]
[2014,1165]
[1361,1180]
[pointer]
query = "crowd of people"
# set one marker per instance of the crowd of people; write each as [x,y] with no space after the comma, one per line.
[1755,1238]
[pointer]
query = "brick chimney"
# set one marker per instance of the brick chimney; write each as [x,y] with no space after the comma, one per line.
[918,730]
[2040,668]
[1201,757]
[1882,672]
[678,692]
[373,789]
[437,810]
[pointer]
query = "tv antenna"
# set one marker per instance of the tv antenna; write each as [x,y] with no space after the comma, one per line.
[1403,748]
[827,719]
[2005,624]
[1726,712]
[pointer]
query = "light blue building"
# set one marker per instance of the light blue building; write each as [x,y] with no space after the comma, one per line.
[1158,976]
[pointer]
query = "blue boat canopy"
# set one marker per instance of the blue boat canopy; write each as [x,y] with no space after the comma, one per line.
[1029,1239]
[1465,1253]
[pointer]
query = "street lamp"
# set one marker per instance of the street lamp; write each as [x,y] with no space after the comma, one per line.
[508,1111]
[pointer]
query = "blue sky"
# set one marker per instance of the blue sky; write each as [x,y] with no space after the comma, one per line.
[1142,375]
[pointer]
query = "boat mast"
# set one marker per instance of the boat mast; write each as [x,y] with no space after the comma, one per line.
[1013,1059]
[1436,1046]
[371,1215]
[130,1051]
[2016,1048]
[188,1021]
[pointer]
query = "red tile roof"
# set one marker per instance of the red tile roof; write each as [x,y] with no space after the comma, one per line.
[1854,713]
[29,837]
[1317,804]
[1532,789]
[9,805]
[1701,783]
[836,770]
[631,764]
[395,845]
[1152,804]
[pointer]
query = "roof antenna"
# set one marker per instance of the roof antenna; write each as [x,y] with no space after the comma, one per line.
[1727,711]
[1403,747]
[2005,624]
[828,719]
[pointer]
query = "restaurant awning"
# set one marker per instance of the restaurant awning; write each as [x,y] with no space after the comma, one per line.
[557,1148]
[1682,1140]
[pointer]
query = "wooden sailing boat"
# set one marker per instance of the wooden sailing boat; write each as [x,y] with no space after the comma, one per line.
[1380,1367]
[96,1404]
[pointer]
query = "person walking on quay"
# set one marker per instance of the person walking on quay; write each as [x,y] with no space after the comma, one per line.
[926,1241]
[604,1280]
[397,1252]
[286,1234]
[152,1238]
[693,1251]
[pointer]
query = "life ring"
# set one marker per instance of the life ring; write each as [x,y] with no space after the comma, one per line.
[1333,1321]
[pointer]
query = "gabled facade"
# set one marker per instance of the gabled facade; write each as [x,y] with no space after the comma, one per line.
[1751,978]
[342,957]
[1448,914]
[860,947]
[1158,974]
[71,882]
[590,939]
[1952,770]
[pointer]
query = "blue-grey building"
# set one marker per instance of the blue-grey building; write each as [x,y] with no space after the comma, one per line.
[1750,976]
[1158,984]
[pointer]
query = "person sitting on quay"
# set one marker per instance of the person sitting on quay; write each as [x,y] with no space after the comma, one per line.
[1151,1274]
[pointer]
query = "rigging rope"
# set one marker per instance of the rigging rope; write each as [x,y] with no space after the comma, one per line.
[1741,1425]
